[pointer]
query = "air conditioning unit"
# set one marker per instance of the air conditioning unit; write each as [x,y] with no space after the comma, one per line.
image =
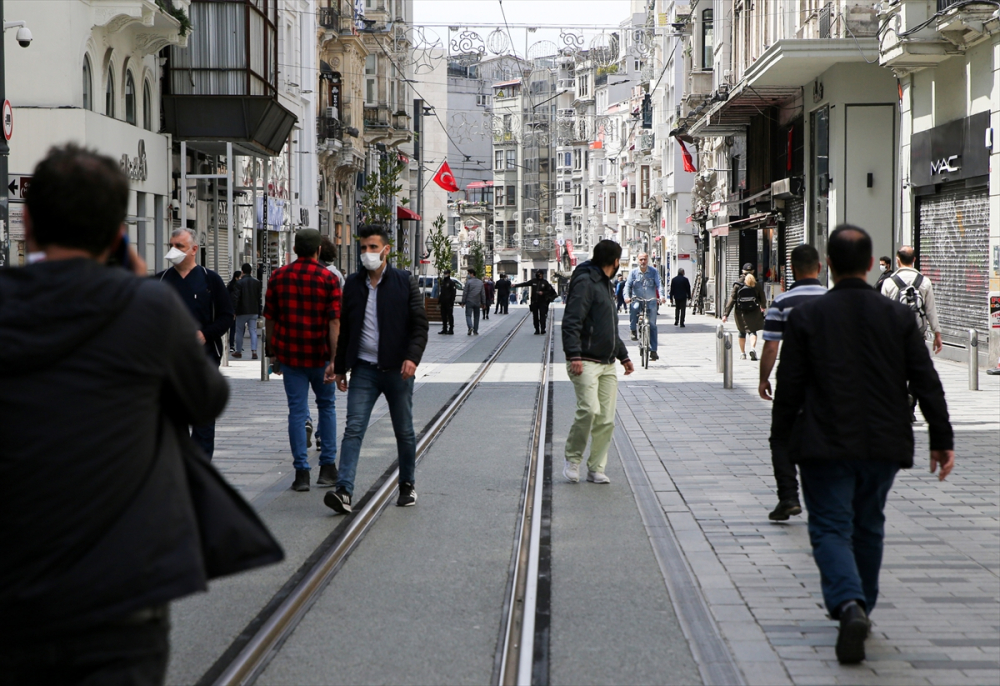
[786,188]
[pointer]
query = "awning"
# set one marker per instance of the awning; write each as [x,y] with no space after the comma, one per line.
[752,222]
[404,213]
[256,125]
[479,184]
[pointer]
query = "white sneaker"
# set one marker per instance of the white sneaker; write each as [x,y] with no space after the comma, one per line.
[571,472]
[743,356]
[598,477]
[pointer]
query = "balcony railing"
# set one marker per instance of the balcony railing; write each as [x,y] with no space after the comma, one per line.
[825,16]
[329,18]
[329,128]
[377,116]
[945,4]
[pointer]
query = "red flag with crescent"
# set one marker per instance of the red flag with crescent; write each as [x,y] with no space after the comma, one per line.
[445,178]
[688,160]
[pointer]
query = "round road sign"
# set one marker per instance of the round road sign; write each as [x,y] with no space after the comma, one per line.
[8,120]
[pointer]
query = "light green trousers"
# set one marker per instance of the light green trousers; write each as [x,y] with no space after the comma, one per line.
[596,394]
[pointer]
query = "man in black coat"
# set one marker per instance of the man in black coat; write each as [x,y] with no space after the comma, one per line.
[447,291]
[383,333]
[680,292]
[97,369]
[503,294]
[542,293]
[841,413]
[247,304]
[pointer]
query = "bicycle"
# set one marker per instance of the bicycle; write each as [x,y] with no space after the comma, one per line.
[643,331]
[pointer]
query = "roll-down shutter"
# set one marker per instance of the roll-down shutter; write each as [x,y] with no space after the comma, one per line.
[795,233]
[732,263]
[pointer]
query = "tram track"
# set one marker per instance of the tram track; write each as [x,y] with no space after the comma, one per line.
[260,642]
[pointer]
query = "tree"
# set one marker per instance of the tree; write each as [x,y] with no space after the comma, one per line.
[477,258]
[381,186]
[442,252]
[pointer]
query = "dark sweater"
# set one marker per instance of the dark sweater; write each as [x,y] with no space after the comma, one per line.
[207,299]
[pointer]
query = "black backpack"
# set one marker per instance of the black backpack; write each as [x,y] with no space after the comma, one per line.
[746,299]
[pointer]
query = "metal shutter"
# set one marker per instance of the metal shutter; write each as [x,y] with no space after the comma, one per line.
[795,233]
[733,270]
[953,238]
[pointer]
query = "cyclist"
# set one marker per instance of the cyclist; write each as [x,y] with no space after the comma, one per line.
[643,284]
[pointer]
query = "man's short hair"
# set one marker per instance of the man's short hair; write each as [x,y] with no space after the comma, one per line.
[805,259]
[849,249]
[886,259]
[906,254]
[327,250]
[540,274]
[369,230]
[192,237]
[680,272]
[307,242]
[77,199]
[472,271]
[246,268]
[606,252]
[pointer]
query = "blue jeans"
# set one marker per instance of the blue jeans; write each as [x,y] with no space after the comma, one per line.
[242,321]
[846,499]
[472,317]
[367,382]
[633,319]
[297,382]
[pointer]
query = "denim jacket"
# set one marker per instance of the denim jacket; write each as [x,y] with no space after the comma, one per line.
[644,285]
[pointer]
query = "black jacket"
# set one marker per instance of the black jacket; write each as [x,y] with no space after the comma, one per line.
[447,290]
[590,322]
[846,359]
[503,289]
[402,320]
[97,368]
[208,301]
[542,292]
[882,278]
[249,292]
[680,288]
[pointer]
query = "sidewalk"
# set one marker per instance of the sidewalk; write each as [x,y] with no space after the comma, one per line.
[706,453]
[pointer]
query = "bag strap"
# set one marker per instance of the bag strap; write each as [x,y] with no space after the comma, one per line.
[900,284]
[919,280]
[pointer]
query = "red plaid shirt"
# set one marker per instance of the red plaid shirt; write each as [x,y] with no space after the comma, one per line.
[302,299]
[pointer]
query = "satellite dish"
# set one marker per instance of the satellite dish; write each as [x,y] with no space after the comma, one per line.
[535,242]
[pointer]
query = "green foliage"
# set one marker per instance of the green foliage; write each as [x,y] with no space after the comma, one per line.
[381,186]
[442,253]
[608,69]
[477,258]
[178,14]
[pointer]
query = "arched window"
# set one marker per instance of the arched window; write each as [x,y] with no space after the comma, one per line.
[130,99]
[147,106]
[707,40]
[109,94]
[88,85]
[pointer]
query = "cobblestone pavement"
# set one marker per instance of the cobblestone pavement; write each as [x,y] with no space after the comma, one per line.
[706,454]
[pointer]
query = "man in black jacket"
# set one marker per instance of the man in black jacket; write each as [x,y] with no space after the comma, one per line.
[383,333]
[247,305]
[680,292]
[542,293]
[841,412]
[591,343]
[503,294]
[447,291]
[97,366]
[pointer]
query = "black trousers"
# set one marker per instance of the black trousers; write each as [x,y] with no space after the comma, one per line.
[540,316]
[784,475]
[503,304]
[113,655]
[447,317]
[680,309]
[204,435]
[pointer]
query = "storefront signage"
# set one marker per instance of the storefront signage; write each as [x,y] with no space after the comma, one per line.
[951,152]
[136,168]
[994,306]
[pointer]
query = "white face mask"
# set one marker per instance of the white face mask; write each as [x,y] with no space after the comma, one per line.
[175,256]
[881,267]
[371,260]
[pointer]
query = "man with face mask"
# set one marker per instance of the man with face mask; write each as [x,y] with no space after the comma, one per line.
[207,298]
[383,333]
[884,266]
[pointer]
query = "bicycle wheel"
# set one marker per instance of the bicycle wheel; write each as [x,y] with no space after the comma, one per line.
[645,346]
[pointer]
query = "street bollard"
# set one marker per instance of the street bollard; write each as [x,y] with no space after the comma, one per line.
[973,360]
[727,373]
[720,332]
[262,346]
[225,349]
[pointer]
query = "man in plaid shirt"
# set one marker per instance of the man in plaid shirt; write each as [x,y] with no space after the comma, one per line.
[302,313]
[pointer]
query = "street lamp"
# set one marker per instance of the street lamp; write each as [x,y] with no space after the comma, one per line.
[24,39]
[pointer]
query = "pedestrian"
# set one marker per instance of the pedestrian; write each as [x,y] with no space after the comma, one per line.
[840,413]
[101,372]
[302,323]
[591,343]
[488,290]
[805,270]
[747,296]
[913,289]
[473,299]
[207,298]
[503,294]
[885,267]
[247,305]
[620,293]
[448,291]
[327,258]
[643,286]
[234,293]
[541,293]
[680,293]
[383,336]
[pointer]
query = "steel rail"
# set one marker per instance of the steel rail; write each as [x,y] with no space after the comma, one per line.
[256,654]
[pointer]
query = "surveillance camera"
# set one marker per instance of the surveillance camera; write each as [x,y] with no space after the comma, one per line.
[24,37]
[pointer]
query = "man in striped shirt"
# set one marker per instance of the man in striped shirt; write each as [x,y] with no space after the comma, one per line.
[805,271]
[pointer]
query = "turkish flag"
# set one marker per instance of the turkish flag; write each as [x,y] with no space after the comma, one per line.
[445,178]
[688,160]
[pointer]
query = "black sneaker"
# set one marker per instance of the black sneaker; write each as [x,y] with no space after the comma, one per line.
[407,495]
[854,627]
[653,356]
[309,434]
[633,335]
[444,333]
[301,482]
[339,501]
[327,475]
[784,510]
[753,355]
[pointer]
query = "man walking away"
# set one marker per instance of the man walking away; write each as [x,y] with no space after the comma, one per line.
[805,270]
[591,343]
[913,289]
[473,298]
[205,294]
[448,290]
[840,411]
[680,292]
[884,266]
[234,294]
[247,310]
[302,319]
[643,286]
[101,372]
[620,293]
[489,289]
[542,293]
[503,294]
[382,339]
[748,298]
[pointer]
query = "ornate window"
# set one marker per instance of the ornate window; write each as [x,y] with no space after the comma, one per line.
[109,94]
[88,85]
[707,40]
[130,114]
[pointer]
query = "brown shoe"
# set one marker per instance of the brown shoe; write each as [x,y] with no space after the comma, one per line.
[255,356]
[238,356]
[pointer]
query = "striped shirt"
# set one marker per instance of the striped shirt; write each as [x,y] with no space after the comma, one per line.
[777,314]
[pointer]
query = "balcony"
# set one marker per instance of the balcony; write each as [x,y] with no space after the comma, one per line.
[155,25]
[956,29]
[329,18]
[376,117]
[329,128]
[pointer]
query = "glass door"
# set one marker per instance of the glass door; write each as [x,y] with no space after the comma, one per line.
[819,188]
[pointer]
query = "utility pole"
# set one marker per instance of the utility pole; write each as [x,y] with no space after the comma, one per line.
[418,152]
[4,155]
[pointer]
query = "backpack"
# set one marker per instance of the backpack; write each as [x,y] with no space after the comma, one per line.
[746,299]
[909,295]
